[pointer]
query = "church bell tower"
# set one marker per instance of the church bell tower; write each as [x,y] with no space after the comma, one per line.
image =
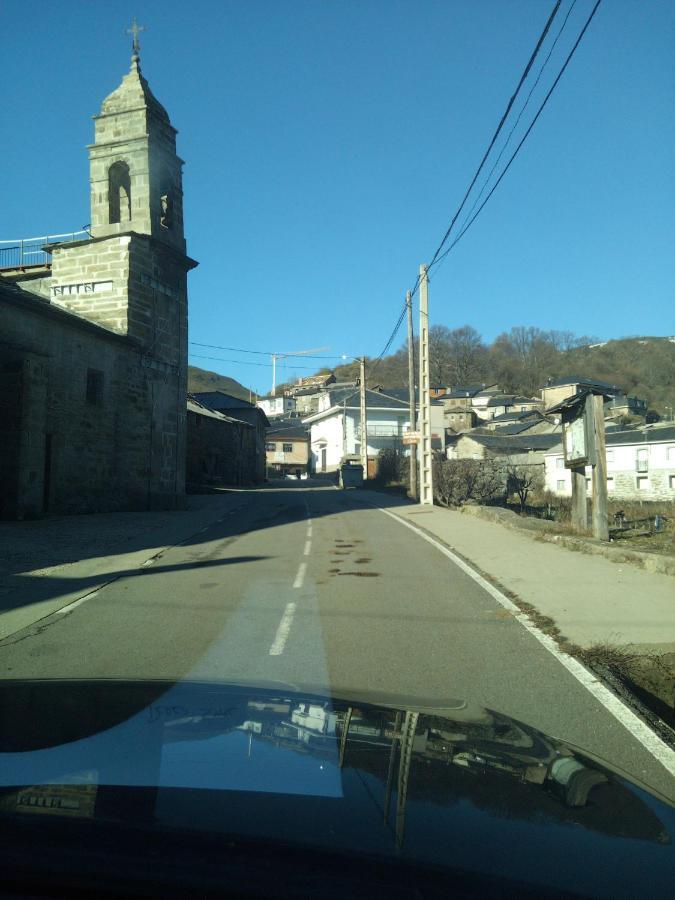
[135,173]
[130,276]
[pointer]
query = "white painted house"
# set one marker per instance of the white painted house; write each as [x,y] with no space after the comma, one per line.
[276,406]
[640,464]
[336,427]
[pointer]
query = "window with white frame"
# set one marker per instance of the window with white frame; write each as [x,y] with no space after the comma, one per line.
[559,462]
[560,484]
[642,483]
[609,456]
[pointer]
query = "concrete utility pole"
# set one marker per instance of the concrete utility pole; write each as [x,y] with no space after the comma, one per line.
[595,406]
[364,419]
[426,473]
[412,398]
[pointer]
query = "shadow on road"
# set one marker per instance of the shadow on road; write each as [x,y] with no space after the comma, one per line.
[36,559]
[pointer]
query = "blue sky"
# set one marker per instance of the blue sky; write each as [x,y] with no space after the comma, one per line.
[328,143]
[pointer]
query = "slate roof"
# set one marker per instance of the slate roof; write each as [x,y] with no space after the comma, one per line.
[404,395]
[290,432]
[220,400]
[580,379]
[195,407]
[515,443]
[515,427]
[518,416]
[651,434]
[351,399]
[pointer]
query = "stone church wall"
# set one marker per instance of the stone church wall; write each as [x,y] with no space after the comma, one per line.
[94,425]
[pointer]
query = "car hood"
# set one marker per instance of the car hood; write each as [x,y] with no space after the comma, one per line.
[451,785]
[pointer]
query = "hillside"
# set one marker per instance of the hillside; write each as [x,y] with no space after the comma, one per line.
[203,380]
[521,360]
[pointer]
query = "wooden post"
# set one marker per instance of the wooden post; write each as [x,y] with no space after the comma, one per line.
[579,511]
[595,407]
[412,399]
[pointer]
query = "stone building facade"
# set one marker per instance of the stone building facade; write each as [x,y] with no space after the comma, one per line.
[93,346]
[221,450]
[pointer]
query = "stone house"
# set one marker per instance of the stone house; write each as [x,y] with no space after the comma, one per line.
[519,449]
[462,396]
[93,334]
[640,464]
[240,409]
[220,449]
[459,419]
[558,389]
[533,421]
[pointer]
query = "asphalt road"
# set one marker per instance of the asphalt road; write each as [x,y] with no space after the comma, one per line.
[313,587]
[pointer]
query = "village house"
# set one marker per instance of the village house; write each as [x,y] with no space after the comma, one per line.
[93,332]
[276,406]
[640,464]
[220,449]
[559,389]
[518,449]
[287,448]
[461,396]
[240,409]
[533,421]
[336,427]
[459,418]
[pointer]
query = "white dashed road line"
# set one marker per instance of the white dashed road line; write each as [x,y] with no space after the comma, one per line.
[283,630]
[300,577]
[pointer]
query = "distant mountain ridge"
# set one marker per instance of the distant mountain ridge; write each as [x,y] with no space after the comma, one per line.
[203,380]
[642,366]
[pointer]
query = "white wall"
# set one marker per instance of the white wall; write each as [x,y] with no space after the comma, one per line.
[381,423]
[276,406]
[328,431]
[657,483]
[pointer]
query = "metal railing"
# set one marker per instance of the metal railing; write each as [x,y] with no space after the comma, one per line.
[29,251]
[392,431]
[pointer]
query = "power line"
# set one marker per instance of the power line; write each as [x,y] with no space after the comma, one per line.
[525,136]
[259,352]
[509,106]
[245,362]
[520,114]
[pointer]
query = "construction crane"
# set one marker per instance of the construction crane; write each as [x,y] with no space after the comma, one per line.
[276,356]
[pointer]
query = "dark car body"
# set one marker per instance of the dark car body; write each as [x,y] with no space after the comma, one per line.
[203,788]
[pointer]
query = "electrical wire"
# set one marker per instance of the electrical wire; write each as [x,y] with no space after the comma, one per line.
[259,352]
[509,106]
[525,136]
[505,114]
[520,115]
[245,362]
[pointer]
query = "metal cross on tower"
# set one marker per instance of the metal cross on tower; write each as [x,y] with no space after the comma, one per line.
[135,30]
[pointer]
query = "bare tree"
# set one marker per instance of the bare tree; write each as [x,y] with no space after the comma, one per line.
[522,480]
[466,354]
[456,481]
